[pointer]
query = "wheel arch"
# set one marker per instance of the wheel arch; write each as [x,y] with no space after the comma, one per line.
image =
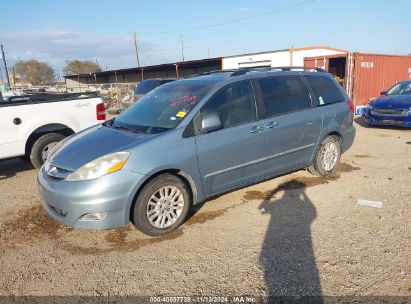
[334,133]
[331,133]
[183,175]
[44,129]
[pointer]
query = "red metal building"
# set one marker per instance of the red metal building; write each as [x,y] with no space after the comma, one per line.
[364,76]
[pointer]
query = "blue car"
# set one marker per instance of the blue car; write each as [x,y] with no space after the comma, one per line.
[192,139]
[392,108]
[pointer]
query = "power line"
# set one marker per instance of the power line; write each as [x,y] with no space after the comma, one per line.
[275,11]
[267,13]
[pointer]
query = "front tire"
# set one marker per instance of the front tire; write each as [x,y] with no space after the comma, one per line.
[40,148]
[162,205]
[327,157]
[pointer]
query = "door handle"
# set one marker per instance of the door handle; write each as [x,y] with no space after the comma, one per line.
[272,124]
[256,129]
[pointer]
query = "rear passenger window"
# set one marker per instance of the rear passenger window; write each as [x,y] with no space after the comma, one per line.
[284,95]
[325,90]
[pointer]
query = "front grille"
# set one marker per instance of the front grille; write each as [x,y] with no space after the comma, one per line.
[390,112]
[391,122]
[57,172]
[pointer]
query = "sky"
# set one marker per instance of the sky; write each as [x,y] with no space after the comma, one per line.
[57,31]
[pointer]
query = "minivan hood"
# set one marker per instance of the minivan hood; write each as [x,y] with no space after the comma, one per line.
[92,143]
[392,101]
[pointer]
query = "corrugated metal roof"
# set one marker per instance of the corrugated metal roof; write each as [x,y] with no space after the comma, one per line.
[149,67]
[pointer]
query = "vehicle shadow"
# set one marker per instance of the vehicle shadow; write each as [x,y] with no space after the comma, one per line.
[9,167]
[287,255]
[360,120]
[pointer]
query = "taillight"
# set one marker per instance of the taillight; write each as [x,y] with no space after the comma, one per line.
[350,105]
[101,111]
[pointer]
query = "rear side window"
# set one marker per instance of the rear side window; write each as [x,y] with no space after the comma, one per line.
[146,86]
[325,90]
[166,81]
[284,94]
[234,105]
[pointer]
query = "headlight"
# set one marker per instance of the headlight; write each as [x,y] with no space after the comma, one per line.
[101,166]
[370,107]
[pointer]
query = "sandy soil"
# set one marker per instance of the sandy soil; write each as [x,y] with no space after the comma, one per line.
[292,235]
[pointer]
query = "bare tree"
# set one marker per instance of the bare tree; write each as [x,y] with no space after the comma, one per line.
[81,67]
[34,72]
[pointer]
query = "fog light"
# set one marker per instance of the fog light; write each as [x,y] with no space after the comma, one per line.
[93,216]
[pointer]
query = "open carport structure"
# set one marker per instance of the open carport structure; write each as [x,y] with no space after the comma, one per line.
[286,57]
[134,75]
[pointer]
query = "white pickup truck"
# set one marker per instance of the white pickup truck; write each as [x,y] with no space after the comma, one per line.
[31,125]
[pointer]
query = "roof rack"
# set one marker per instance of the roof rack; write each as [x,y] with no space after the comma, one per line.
[243,71]
[208,73]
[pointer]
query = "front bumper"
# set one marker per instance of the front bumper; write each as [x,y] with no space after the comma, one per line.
[67,202]
[400,121]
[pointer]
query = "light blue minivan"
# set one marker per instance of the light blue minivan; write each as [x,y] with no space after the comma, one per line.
[193,139]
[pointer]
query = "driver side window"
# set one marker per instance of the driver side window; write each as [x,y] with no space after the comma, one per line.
[233,104]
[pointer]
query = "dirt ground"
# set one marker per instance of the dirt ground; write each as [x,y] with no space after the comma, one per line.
[292,235]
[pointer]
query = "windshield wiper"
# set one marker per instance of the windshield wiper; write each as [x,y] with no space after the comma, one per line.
[108,123]
[125,128]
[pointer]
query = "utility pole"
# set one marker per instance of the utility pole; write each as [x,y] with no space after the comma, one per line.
[14,78]
[182,47]
[136,47]
[1,77]
[5,65]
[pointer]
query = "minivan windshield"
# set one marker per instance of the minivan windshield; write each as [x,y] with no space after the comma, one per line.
[146,86]
[403,88]
[161,109]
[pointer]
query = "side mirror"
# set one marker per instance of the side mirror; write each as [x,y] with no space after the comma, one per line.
[210,122]
[383,93]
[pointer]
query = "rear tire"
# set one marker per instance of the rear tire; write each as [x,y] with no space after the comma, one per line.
[41,147]
[327,157]
[162,205]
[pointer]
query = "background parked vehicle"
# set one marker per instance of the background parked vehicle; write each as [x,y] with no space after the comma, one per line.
[392,108]
[31,125]
[145,86]
[195,138]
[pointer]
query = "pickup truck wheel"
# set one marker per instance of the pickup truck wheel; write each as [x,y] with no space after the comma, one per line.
[41,147]
[327,157]
[162,205]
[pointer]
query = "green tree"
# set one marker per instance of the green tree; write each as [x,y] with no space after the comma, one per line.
[34,72]
[81,67]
